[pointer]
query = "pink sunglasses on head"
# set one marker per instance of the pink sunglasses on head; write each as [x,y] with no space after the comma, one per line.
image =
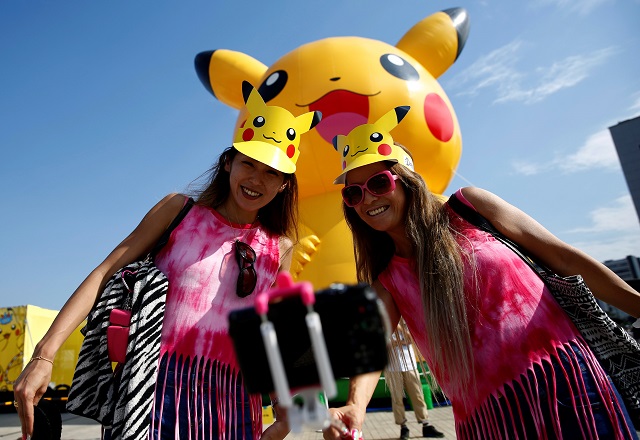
[379,184]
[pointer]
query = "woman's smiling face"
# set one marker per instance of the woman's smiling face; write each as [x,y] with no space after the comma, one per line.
[253,184]
[383,213]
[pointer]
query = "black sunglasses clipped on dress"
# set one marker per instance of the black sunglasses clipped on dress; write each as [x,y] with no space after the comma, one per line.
[247,278]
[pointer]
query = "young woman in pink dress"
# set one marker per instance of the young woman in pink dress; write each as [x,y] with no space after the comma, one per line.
[503,351]
[231,245]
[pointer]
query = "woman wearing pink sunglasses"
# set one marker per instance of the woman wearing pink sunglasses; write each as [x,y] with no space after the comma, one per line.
[511,362]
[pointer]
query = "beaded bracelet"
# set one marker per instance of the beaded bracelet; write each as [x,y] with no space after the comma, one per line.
[40,358]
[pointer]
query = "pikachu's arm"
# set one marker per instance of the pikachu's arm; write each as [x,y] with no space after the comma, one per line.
[303,253]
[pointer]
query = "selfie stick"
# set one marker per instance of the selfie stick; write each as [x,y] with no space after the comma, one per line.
[276,366]
[312,412]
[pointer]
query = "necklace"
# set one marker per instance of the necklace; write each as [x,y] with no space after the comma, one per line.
[243,231]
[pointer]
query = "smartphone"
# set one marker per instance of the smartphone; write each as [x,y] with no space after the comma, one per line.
[355,327]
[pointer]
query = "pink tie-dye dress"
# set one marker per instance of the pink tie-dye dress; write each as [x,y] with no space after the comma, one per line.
[200,263]
[516,326]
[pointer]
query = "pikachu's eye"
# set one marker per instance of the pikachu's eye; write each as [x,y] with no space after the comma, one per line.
[399,67]
[291,134]
[375,137]
[273,85]
[259,121]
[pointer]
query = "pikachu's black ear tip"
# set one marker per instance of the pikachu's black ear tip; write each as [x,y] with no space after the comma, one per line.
[460,19]
[201,64]
[401,112]
[247,87]
[317,117]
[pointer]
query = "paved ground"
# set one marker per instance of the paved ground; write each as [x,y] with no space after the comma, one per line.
[379,425]
[73,427]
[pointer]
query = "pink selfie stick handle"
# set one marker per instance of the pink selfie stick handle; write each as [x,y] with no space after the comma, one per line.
[285,287]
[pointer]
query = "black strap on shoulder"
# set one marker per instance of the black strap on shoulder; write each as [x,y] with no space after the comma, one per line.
[470,215]
[477,220]
[164,239]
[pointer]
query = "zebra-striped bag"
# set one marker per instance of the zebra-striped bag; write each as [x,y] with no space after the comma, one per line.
[123,402]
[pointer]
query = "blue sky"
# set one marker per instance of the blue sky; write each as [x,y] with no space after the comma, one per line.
[102,114]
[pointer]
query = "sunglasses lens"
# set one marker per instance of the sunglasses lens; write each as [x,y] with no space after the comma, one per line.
[352,195]
[246,252]
[247,280]
[379,185]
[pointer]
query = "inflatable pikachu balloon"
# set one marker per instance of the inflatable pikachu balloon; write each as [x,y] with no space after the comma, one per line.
[351,81]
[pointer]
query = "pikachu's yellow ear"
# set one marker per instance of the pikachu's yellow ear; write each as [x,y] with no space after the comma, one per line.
[254,102]
[339,141]
[223,71]
[392,118]
[436,41]
[307,121]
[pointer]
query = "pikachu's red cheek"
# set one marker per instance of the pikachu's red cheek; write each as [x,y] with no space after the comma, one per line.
[438,117]
[384,149]
[247,135]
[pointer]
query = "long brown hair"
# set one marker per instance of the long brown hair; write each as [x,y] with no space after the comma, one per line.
[438,265]
[278,217]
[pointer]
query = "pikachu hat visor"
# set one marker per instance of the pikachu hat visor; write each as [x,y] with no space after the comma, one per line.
[271,134]
[371,143]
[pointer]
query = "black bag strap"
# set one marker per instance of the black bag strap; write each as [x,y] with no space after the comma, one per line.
[128,277]
[164,239]
[477,220]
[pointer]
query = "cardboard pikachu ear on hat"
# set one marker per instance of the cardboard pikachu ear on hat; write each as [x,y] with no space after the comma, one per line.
[371,143]
[271,134]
